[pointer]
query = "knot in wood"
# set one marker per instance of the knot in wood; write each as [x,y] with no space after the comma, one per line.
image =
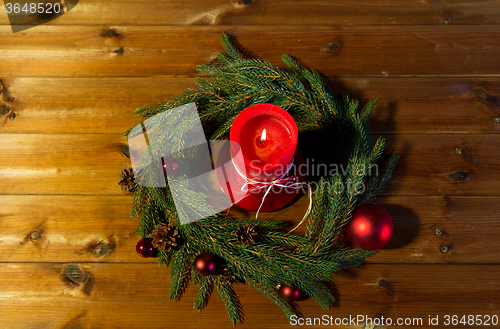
[496,120]
[458,176]
[483,96]
[382,283]
[444,249]
[331,47]
[35,235]
[75,274]
[110,33]
[100,251]
[125,150]
[438,232]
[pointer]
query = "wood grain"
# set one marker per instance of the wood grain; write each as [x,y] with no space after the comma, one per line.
[69,86]
[88,164]
[132,295]
[293,12]
[105,105]
[173,51]
[44,228]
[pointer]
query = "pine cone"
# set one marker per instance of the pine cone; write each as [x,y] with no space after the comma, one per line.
[228,277]
[246,234]
[165,237]
[127,179]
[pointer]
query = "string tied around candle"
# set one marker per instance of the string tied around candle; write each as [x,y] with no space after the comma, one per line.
[281,182]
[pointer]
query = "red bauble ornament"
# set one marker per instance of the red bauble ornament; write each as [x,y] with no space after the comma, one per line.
[205,264]
[371,227]
[289,293]
[145,248]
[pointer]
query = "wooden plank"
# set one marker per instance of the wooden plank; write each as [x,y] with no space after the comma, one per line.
[441,164]
[428,104]
[43,228]
[62,164]
[105,105]
[172,51]
[295,12]
[88,164]
[132,295]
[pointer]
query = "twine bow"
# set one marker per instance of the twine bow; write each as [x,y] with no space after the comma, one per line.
[281,182]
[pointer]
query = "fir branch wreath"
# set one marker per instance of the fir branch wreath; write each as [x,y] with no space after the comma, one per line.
[260,252]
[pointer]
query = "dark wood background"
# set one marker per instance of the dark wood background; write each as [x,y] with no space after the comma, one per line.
[67,257]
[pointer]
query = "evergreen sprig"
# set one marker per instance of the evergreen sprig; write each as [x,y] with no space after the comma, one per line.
[276,257]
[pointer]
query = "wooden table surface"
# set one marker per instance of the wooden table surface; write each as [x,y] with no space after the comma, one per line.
[67,257]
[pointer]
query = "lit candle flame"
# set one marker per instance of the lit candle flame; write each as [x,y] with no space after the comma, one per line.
[263,137]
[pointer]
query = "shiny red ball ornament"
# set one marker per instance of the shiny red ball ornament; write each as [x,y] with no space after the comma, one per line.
[370,227]
[289,293]
[145,248]
[205,264]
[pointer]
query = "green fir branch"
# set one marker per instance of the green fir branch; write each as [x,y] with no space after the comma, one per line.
[180,273]
[378,183]
[203,293]
[231,301]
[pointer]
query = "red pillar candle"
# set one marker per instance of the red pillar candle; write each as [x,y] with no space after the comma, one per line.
[263,145]
[267,135]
